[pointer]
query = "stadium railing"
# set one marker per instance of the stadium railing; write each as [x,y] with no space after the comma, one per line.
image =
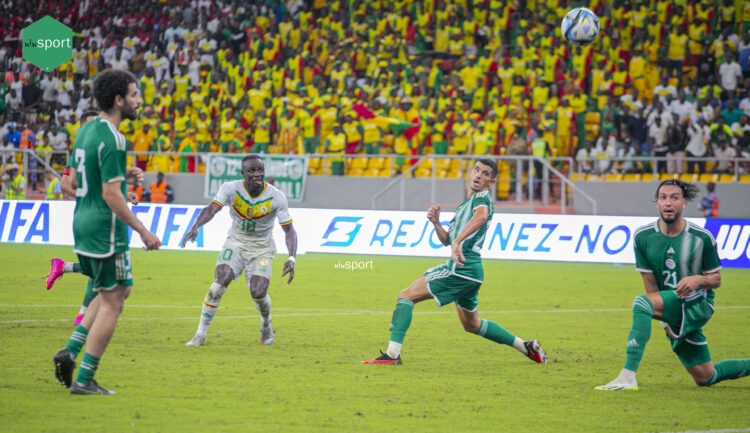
[623,169]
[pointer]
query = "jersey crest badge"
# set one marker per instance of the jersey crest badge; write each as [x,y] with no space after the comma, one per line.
[669,262]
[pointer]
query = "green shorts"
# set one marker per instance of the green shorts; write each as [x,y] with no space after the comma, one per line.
[203,146]
[372,148]
[686,320]
[337,168]
[310,144]
[260,148]
[446,285]
[109,272]
[226,146]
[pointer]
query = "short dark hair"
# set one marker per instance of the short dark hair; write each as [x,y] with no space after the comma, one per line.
[251,156]
[109,84]
[689,191]
[489,163]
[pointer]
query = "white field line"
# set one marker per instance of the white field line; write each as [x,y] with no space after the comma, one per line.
[305,312]
[728,430]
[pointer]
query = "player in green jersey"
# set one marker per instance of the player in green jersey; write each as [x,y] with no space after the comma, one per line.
[458,280]
[58,267]
[100,223]
[679,264]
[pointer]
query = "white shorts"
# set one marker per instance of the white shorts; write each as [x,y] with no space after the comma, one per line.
[251,259]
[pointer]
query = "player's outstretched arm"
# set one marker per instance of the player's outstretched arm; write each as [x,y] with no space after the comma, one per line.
[433,215]
[205,216]
[481,213]
[112,195]
[291,246]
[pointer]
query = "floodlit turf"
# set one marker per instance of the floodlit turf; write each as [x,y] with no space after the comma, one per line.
[327,321]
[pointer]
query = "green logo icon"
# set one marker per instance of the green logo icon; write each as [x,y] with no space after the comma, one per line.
[47,43]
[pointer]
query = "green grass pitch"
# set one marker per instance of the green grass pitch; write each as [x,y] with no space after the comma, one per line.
[327,321]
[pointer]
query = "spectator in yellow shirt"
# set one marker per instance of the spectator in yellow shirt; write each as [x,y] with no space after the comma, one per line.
[181,123]
[262,134]
[203,128]
[677,48]
[461,134]
[226,131]
[353,135]
[336,144]
[142,141]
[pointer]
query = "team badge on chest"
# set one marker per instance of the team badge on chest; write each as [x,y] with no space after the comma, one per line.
[669,262]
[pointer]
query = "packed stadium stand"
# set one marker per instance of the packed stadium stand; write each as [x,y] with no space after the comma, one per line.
[664,91]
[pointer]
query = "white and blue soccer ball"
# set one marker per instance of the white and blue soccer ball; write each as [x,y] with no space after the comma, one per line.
[580,26]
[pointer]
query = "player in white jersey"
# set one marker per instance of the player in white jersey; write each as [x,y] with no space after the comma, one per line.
[249,245]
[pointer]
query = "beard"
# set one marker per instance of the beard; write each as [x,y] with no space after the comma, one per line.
[128,112]
[669,220]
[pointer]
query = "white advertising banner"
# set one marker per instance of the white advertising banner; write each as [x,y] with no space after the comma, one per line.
[573,238]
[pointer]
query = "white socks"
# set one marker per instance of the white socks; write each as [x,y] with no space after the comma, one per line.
[263,305]
[210,305]
[518,345]
[394,349]
[68,267]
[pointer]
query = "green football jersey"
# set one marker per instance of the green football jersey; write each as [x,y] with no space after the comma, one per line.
[692,252]
[472,245]
[99,156]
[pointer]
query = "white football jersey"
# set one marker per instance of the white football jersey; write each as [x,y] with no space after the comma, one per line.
[253,217]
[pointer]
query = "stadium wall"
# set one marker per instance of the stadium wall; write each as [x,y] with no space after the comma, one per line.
[326,192]
[637,199]
[335,192]
[572,238]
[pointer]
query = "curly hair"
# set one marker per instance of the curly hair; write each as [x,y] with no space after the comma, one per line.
[689,191]
[109,84]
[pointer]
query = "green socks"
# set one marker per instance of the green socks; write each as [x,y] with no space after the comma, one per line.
[728,370]
[492,331]
[640,332]
[401,319]
[77,340]
[86,370]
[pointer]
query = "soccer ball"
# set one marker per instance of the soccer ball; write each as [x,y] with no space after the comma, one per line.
[580,26]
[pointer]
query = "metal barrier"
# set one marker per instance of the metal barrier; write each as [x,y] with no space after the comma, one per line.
[736,162]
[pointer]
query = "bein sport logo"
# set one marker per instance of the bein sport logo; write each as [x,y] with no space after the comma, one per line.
[47,44]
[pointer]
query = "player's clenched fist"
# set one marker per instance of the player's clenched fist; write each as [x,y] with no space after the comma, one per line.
[433,214]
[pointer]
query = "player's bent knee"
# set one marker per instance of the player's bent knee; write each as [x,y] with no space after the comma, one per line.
[471,327]
[642,304]
[258,286]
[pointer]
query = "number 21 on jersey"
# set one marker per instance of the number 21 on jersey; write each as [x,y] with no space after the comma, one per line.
[670,279]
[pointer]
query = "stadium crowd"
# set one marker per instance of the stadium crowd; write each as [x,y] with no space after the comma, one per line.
[665,78]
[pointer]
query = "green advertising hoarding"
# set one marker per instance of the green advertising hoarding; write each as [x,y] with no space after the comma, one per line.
[288,171]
